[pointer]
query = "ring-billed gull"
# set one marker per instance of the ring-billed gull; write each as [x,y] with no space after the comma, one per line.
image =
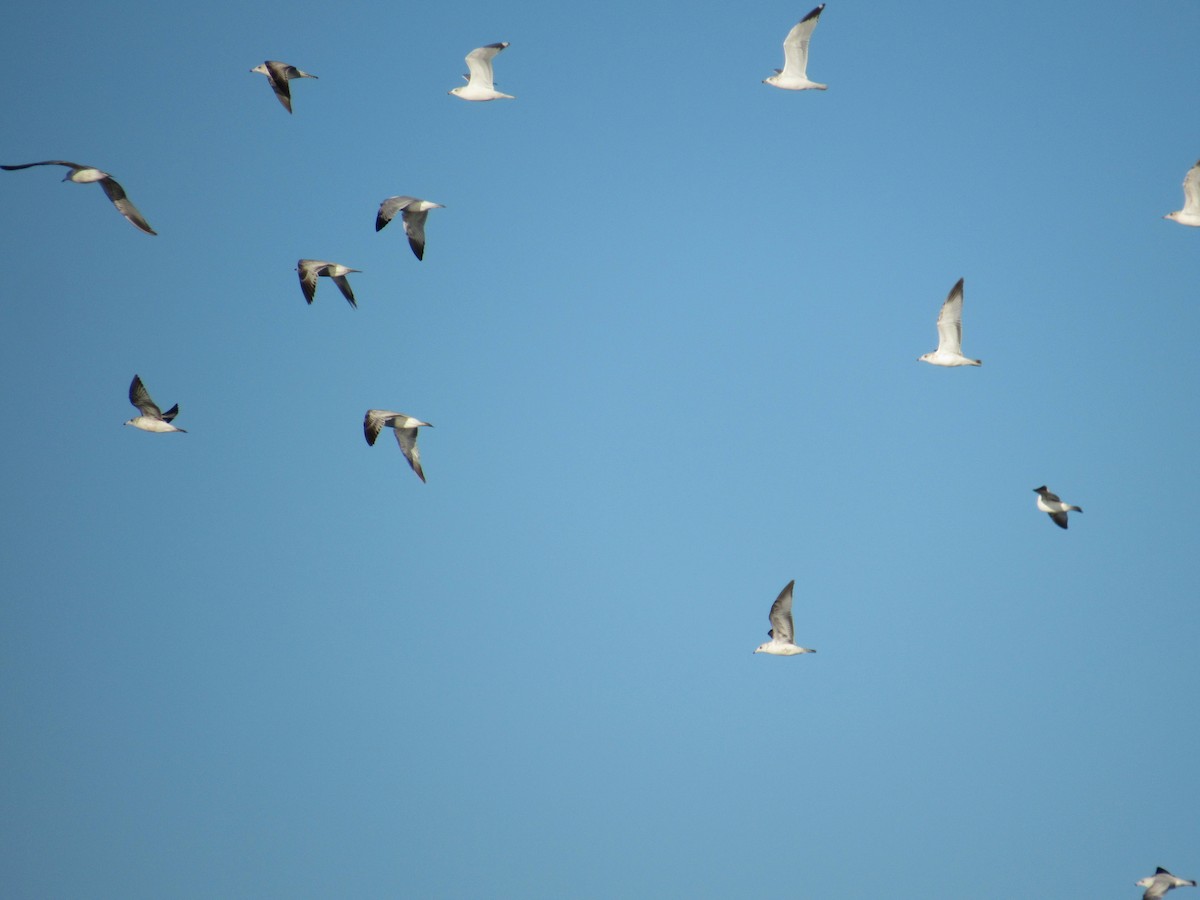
[949,327]
[279,74]
[1160,882]
[405,428]
[311,269]
[781,633]
[479,84]
[1190,214]
[794,74]
[414,212]
[152,418]
[86,175]
[1050,503]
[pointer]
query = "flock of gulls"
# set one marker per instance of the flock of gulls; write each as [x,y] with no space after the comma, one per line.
[414,211]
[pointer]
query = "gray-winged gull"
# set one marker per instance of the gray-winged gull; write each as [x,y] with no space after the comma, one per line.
[311,269]
[781,633]
[279,74]
[414,212]
[949,328]
[479,84]
[794,74]
[1050,503]
[152,418]
[86,175]
[404,426]
[1190,214]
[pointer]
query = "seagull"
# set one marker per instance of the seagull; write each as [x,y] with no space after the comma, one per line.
[1190,214]
[1160,882]
[310,269]
[1050,503]
[415,212]
[794,74]
[781,633]
[405,428]
[279,74]
[86,175]
[152,418]
[949,326]
[479,83]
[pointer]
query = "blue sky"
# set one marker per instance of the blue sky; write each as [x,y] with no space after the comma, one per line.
[666,328]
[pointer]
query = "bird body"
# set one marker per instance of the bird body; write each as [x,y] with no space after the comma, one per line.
[413,211]
[781,633]
[480,85]
[405,428]
[151,418]
[311,269]
[794,74]
[1160,882]
[279,74]
[949,327]
[1190,214]
[1050,503]
[81,174]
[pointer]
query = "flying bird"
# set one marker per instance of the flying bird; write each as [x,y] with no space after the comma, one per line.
[1050,503]
[479,84]
[311,269]
[949,327]
[1190,214]
[781,633]
[1160,882]
[405,428]
[152,418]
[279,74]
[794,74]
[415,211]
[86,175]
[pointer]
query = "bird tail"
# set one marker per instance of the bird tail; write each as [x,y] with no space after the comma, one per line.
[1076,508]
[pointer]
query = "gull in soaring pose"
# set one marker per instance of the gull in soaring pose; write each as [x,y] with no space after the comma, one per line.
[311,269]
[479,84]
[1190,214]
[1050,503]
[949,327]
[1160,882]
[152,418]
[86,175]
[414,212]
[794,74]
[781,633]
[279,74]
[405,428]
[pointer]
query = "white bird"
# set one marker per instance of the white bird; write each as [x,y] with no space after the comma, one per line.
[311,269]
[479,84]
[415,211]
[1050,503]
[86,175]
[279,74]
[781,633]
[794,74]
[152,418]
[405,428]
[1190,214]
[949,327]
[1160,882]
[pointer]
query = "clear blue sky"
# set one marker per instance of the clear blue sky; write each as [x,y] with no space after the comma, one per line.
[667,329]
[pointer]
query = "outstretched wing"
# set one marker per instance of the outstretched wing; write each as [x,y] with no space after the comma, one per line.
[48,162]
[140,397]
[407,439]
[116,194]
[344,286]
[795,45]
[414,227]
[949,322]
[1191,190]
[781,615]
[479,64]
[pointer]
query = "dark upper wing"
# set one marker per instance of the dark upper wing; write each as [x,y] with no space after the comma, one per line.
[117,195]
[140,397]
